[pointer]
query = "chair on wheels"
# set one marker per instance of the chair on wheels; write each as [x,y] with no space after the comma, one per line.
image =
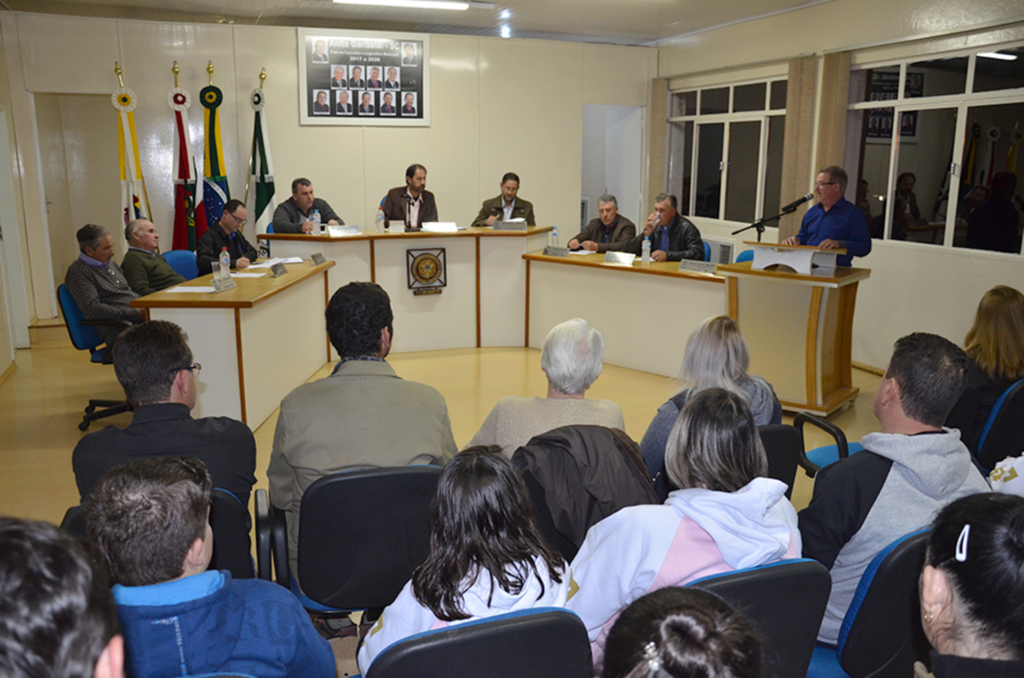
[361,535]
[784,445]
[820,457]
[881,635]
[784,602]
[544,642]
[1003,436]
[85,338]
[183,262]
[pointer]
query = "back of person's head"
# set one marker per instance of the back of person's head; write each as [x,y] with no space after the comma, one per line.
[147,358]
[57,615]
[89,236]
[978,543]
[571,356]
[996,341]
[147,514]
[932,374]
[356,314]
[1004,185]
[481,519]
[716,356]
[715,444]
[681,633]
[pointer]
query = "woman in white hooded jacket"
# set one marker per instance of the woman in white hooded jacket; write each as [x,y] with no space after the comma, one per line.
[727,516]
[486,555]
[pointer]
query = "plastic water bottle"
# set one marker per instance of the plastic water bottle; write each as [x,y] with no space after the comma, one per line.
[645,252]
[225,264]
[554,236]
[315,218]
[379,221]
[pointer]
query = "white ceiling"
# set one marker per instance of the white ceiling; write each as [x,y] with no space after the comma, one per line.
[632,22]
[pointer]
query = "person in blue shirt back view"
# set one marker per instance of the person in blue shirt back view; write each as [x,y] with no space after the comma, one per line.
[835,222]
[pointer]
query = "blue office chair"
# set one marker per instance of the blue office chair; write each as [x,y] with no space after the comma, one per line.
[881,634]
[1003,436]
[745,255]
[270,229]
[820,457]
[183,262]
[84,337]
[707,252]
[784,602]
[544,642]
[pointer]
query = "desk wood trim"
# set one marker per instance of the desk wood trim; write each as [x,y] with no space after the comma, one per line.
[667,268]
[471,232]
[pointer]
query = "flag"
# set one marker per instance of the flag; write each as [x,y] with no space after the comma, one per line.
[259,200]
[215,192]
[199,214]
[133,190]
[185,232]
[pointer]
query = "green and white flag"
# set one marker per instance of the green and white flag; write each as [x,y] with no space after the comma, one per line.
[259,199]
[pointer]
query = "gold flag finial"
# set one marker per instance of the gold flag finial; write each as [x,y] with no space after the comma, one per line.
[263,76]
[209,69]
[175,70]
[119,72]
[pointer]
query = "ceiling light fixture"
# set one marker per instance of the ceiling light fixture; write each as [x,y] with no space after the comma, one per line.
[998,55]
[411,4]
[504,14]
[506,32]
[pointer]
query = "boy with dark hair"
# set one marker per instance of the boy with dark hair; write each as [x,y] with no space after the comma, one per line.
[151,518]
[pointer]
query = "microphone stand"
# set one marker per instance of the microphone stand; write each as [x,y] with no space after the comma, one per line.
[408,213]
[761,223]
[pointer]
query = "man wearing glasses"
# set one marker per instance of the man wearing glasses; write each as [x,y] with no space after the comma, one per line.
[227,233]
[155,366]
[834,223]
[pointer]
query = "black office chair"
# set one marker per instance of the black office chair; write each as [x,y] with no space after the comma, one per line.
[784,445]
[820,457]
[784,602]
[85,338]
[361,535]
[881,635]
[1003,435]
[543,642]
[74,522]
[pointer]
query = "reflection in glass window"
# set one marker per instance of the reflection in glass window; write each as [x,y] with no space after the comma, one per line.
[709,174]
[714,101]
[749,97]
[936,77]
[680,162]
[870,131]
[1001,69]
[874,84]
[741,191]
[921,198]
[773,167]
[683,103]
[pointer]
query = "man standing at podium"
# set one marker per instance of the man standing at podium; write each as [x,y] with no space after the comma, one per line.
[835,222]
[673,236]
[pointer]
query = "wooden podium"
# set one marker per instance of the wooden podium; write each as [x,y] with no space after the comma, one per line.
[799,329]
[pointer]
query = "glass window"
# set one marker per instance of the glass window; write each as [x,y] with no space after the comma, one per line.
[778,94]
[936,77]
[683,103]
[709,169]
[874,84]
[714,101]
[920,200]
[749,97]
[1002,69]
[870,131]
[680,163]
[773,168]
[741,189]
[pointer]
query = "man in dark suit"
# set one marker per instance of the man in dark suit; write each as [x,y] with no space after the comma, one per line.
[356,81]
[410,56]
[609,232]
[338,81]
[410,104]
[226,233]
[673,236]
[374,81]
[387,107]
[411,203]
[506,206]
[344,107]
[321,105]
[392,81]
[366,106]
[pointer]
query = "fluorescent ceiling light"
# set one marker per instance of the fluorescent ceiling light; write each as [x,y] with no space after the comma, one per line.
[506,32]
[504,14]
[413,4]
[998,55]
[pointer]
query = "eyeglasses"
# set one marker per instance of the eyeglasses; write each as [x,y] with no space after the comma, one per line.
[240,222]
[194,368]
[822,184]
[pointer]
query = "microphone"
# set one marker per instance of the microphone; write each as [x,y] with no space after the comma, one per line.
[796,203]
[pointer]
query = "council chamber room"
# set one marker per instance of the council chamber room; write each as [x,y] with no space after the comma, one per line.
[513,339]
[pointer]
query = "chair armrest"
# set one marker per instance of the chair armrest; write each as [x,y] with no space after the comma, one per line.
[837,433]
[279,540]
[264,527]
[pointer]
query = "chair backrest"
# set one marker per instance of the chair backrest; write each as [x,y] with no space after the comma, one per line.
[270,229]
[83,337]
[745,255]
[783,444]
[183,262]
[784,601]
[541,643]
[881,633]
[363,532]
[74,522]
[707,252]
[232,550]
[1003,436]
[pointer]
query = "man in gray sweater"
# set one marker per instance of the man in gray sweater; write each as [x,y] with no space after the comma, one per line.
[99,286]
[294,215]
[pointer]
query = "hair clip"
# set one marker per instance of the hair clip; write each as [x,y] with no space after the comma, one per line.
[961,543]
[651,654]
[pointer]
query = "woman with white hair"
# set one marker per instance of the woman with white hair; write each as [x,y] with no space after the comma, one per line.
[716,357]
[571,359]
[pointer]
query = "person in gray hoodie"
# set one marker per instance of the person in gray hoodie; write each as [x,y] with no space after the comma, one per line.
[903,477]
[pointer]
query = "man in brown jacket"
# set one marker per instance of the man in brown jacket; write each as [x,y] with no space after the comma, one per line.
[609,232]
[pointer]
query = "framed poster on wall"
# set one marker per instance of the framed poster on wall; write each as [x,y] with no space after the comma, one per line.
[364,78]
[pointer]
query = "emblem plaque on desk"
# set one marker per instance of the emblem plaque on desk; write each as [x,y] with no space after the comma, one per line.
[428,273]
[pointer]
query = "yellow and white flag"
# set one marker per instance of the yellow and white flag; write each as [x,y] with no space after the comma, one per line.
[133,189]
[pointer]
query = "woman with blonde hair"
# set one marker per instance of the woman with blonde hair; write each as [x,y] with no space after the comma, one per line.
[995,345]
[716,357]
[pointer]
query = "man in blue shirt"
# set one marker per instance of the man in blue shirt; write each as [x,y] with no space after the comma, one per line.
[834,223]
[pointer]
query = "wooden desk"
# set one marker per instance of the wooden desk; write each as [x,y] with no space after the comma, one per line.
[240,336]
[799,329]
[645,313]
[483,304]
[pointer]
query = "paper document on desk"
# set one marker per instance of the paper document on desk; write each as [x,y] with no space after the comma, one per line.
[196,290]
[581,252]
[247,275]
[277,260]
[440,227]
